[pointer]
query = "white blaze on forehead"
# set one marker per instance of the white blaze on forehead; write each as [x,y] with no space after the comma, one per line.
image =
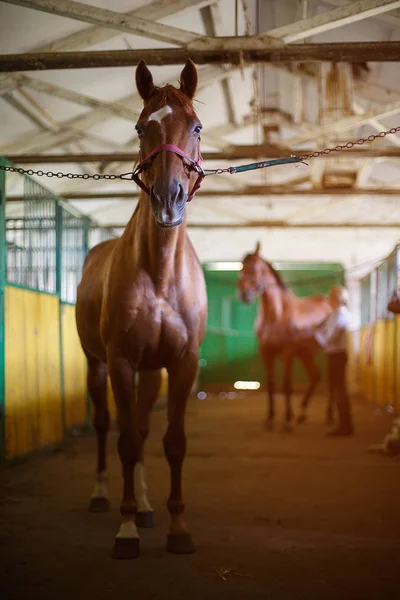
[160,114]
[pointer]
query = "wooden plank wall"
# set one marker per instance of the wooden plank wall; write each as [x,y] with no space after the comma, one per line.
[32,371]
[380,367]
[74,364]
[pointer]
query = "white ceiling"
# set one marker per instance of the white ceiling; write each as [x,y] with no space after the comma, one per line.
[25,30]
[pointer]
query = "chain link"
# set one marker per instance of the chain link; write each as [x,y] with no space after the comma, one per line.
[128,176]
[348,145]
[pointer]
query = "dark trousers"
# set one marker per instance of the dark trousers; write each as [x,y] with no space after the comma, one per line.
[337,362]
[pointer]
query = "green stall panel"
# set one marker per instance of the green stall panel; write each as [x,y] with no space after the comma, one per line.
[230,350]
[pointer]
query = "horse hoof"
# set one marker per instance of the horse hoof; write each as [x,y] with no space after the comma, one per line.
[126,548]
[269,424]
[301,419]
[145,519]
[180,543]
[99,505]
[330,421]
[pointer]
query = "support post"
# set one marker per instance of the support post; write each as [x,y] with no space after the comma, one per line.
[59,257]
[86,226]
[3,251]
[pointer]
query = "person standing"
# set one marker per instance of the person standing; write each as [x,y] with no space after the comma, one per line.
[332,337]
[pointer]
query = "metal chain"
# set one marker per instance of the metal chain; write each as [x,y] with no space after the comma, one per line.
[128,176]
[348,145]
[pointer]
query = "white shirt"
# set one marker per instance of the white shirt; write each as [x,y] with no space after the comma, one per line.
[332,334]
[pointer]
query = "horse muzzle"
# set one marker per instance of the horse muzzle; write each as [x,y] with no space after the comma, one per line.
[247,296]
[168,205]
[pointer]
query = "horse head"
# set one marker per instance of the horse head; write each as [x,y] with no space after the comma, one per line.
[169,135]
[257,276]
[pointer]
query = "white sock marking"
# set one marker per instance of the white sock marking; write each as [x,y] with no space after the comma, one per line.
[101,486]
[143,504]
[160,114]
[127,530]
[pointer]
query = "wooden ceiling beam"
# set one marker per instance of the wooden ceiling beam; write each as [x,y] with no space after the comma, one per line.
[352,52]
[280,225]
[328,20]
[389,19]
[237,152]
[246,191]
[98,34]
[121,22]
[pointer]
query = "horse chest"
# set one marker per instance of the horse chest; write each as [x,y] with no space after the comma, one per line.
[154,333]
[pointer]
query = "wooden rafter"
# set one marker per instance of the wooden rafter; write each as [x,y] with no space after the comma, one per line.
[45,140]
[229,153]
[332,19]
[97,34]
[121,22]
[114,108]
[244,191]
[214,25]
[282,225]
[389,19]
[345,123]
[334,52]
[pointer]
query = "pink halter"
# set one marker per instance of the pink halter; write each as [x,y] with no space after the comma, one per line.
[196,166]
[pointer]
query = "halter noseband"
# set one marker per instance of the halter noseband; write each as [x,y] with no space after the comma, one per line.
[195,164]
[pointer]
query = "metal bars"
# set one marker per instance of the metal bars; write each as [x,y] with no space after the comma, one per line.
[377,287]
[47,244]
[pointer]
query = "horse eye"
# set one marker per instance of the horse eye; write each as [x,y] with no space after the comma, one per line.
[197,129]
[139,131]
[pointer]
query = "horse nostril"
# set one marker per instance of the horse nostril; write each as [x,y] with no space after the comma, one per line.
[181,195]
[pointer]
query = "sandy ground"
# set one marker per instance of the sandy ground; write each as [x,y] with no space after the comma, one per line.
[296,515]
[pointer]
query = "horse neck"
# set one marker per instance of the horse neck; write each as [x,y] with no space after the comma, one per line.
[272,302]
[159,252]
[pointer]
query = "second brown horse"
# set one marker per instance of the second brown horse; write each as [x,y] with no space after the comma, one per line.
[284,327]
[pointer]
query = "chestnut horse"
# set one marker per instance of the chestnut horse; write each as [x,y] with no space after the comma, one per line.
[284,328]
[142,306]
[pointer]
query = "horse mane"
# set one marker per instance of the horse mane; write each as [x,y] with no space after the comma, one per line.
[277,276]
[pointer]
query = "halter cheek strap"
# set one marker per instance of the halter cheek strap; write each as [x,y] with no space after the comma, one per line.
[196,166]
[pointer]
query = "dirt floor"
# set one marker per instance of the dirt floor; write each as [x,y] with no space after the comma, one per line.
[296,515]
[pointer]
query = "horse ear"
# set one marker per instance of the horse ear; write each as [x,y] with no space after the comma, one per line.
[144,81]
[257,250]
[189,79]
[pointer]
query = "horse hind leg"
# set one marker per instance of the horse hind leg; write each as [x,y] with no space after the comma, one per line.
[148,389]
[315,377]
[97,387]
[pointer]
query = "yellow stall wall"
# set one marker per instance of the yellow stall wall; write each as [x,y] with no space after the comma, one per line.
[397,361]
[74,361]
[379,377]
[32,371]
[366,369]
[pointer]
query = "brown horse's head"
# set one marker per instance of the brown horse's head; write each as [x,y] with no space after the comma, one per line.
[168,118]
[257,276]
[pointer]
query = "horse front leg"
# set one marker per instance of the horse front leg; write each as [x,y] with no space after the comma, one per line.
[148,388]
[287,389]
[181,377]
[97,387]
[269,364]
[122,376]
